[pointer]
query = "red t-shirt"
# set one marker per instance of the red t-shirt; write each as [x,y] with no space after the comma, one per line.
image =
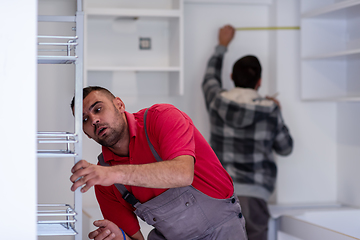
[172,133]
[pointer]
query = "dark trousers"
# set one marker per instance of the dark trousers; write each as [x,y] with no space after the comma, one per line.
[256,213]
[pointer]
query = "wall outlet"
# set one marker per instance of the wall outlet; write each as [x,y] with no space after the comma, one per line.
[145,43]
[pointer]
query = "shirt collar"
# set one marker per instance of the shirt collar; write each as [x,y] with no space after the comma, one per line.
[107,153]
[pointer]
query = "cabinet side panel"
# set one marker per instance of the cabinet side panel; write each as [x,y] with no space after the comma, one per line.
[348,131]
[18,116]
[353,73]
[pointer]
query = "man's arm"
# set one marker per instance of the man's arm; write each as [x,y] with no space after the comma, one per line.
[212,80]
[283,143]
[178,172]
[172,133]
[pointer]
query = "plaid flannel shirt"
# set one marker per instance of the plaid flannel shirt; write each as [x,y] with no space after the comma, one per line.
[245,130]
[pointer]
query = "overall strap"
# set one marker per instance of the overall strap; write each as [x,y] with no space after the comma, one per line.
[126,195]
[156,155]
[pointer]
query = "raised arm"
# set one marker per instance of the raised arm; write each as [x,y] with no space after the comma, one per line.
[211,84]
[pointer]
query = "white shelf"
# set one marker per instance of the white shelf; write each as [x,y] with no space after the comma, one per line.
[54,230]
[330,50]
[56,220]
[246,2]
[114,29]
[55,154]
[138,4]
[133,69]
[323,224]
[56,137]
[60,142]
[56,59]
[57,49]
[333,8]
[333,54]
[132,12]
[51,18]
[333,99]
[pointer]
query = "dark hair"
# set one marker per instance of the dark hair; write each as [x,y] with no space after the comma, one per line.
[88,90]
[246,72]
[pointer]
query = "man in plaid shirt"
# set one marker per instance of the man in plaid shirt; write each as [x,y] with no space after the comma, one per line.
[245,130]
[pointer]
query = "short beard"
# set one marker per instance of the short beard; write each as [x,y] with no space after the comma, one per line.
[114,135]
[111,139]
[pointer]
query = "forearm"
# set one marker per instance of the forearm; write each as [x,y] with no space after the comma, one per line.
[177,172]
[214,66]
[137,236]
[226,34]
[283,142]
[211,84]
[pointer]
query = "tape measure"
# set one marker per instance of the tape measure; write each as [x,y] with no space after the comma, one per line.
[266,28]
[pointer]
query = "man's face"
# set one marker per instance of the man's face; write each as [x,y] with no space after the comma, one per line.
[103,118]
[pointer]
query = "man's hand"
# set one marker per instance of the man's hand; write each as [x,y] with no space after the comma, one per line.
[226,34]
[274,100]
[89,175]
[107,230]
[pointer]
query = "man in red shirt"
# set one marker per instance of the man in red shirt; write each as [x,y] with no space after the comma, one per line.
[154,164]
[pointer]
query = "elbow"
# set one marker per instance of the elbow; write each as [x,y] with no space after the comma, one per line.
[284,148]
[189,179]
[285,153]
[185,171]
[186,179]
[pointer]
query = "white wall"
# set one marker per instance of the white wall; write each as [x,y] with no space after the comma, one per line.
[310,174]
[18,119]
[201,24]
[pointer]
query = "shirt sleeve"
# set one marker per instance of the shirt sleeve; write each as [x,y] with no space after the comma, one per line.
[115,209]
[171,132]
[211,84]
[283,143]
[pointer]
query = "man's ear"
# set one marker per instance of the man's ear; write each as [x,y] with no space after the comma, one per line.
[119,104]
[231,76]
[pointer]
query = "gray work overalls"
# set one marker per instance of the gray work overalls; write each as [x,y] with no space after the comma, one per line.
[186,213]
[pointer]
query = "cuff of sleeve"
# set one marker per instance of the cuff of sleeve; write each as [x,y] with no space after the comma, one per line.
[220,50]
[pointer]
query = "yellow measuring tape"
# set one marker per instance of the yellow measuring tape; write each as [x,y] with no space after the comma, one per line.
[266,28]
